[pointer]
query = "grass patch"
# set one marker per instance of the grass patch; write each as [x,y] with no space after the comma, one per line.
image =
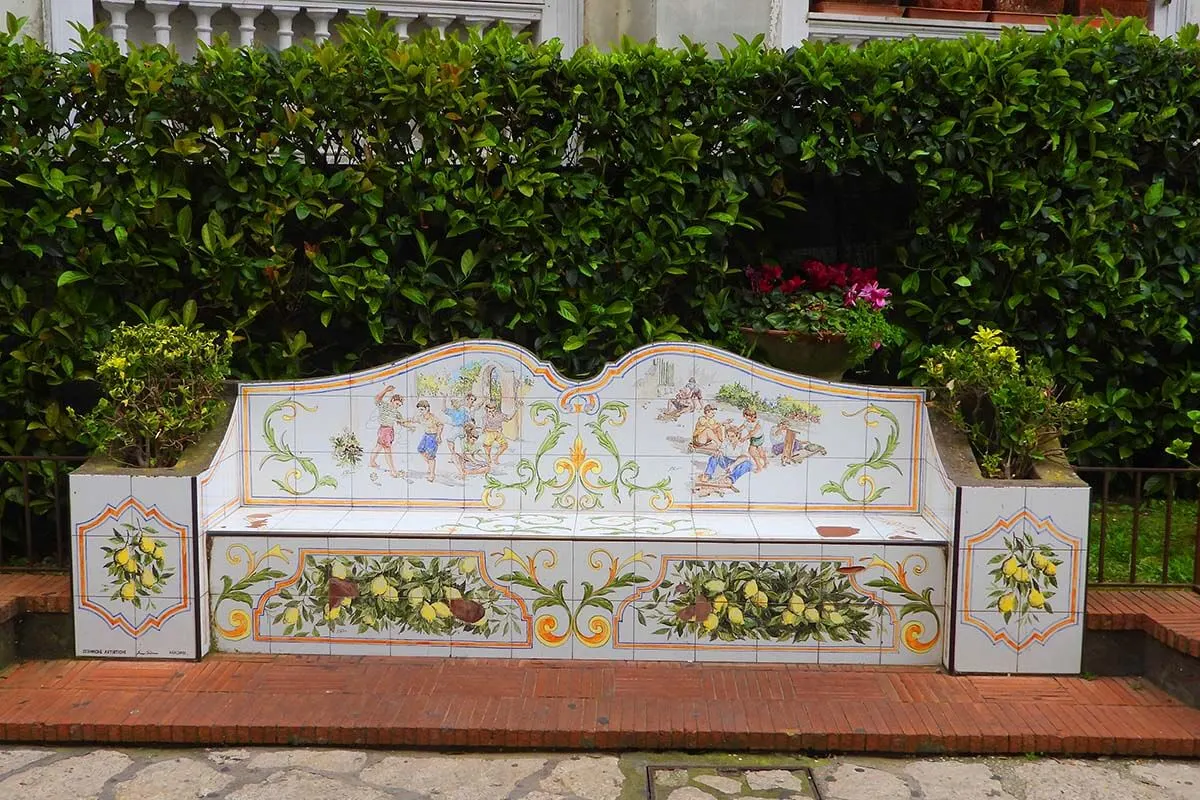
[1152,526]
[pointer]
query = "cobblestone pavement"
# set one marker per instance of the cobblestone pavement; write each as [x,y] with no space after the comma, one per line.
[316,774]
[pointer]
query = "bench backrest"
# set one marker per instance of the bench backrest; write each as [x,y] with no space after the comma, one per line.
[669,427]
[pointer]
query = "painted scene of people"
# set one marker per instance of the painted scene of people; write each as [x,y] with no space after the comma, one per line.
[464,422]
[734,432]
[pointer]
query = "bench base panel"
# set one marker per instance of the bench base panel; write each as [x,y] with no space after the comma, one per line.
[611,598]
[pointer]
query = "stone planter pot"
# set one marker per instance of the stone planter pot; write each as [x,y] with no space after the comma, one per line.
[1020,554]
[139,570]
[803,353]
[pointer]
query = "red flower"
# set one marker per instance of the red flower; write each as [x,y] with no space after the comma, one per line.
[859,276]
[823,276]
[792,284]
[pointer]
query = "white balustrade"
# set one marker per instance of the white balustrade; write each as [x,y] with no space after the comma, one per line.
[247,22]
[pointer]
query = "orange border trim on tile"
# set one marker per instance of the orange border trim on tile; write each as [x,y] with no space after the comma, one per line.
[1047,526]
[301,556]
[118,620]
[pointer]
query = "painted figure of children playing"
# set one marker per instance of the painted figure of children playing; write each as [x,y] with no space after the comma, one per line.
[726,468]
[685,400]
[708,432]
[428,445]
[495,443]
[468,453]
[388,408]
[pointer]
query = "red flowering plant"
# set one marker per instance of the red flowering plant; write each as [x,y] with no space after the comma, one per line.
[829,301]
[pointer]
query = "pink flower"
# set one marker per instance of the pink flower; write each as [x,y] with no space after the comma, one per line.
[874,294]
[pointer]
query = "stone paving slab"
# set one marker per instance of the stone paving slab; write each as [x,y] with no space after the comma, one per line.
[317,774]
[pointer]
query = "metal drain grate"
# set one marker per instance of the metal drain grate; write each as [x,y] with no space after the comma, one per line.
[698,781]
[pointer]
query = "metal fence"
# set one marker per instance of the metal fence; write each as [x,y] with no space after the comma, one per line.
[1145,529]
[35,514]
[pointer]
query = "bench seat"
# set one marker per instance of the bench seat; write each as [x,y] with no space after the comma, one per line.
[829,527]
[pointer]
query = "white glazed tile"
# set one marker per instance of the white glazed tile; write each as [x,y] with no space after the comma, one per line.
[657,485]
[282,418]
[368,521]
[976,652]
[96,638]
[544,563]
[331,413]
[895,490]
[784,527]
[771,384]
[649,618]
[833,485]
[440,523]
[780,486]
[660,377]
[254,519]
[446,490]
[1058,653]
[314,520]
[842,430]
[663,429]
[983,507]
[174,638]
[601,491]
[92,494]
[724,527]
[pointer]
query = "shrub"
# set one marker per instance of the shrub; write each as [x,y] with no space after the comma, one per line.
[1010,411]
[162,390]
[344,205]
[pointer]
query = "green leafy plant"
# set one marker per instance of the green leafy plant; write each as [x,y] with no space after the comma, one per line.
[162,385]
[1009,410]
[825,300]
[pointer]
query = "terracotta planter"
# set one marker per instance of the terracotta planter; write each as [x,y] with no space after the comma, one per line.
[803,353]
[1017,18]
[865,8]
[1118,8]
[1033,8]
[963,10]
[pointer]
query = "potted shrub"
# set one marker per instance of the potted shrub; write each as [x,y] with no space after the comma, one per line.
[1009,410]
[138,568]
[822,320]
[1019,524]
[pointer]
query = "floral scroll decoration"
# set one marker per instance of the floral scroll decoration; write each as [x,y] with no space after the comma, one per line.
[879,459]
[577,481]
[915,603]
[1024,578]
[789,602]
[596,631]
[136,564]
[429,595]
[256,572]
[304,469]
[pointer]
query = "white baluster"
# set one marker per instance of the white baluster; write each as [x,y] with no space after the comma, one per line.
[439,24]
[515,25]
[402,24]
[481,23]
[117,9]
[320,18]
[285,14]
[246,17]
[162,20]
[204,14]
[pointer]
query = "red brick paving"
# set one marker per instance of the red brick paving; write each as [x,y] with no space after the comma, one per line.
[443,703]
[451,703]
[33,592]
[1172,616]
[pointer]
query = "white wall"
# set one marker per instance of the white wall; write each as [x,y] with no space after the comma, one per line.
[707,21]
[24,8]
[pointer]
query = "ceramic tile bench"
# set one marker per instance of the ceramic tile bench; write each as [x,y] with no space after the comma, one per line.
[685,504]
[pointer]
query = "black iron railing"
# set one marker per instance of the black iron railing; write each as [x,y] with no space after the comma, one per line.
[1145,529]
[35,517]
